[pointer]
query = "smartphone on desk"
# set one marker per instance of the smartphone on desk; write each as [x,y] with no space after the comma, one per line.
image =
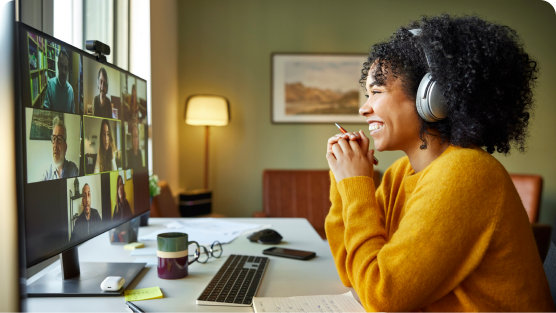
[290,253]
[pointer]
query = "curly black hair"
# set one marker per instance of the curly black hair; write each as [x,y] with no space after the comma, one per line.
[484,73]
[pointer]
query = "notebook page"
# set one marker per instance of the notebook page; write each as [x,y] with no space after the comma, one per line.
[322,303]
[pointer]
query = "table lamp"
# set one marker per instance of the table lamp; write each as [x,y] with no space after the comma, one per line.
[207,110]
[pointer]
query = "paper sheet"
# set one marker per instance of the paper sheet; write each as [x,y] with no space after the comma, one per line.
[206,230]
[325,303]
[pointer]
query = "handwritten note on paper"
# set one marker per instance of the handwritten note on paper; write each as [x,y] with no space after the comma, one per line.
[325,303]
[143,294]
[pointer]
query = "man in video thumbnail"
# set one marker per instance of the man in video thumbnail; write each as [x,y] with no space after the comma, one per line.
[59,93]
[89,220]
[60,167]
[134,156]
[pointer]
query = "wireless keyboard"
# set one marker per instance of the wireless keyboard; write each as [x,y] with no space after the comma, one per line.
[236,282]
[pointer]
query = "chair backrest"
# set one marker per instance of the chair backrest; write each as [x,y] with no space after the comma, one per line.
[164,204]
[299,193]
[529,187]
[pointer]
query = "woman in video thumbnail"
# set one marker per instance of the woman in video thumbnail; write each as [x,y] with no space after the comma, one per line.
[122,209]
[106,160]
[445,230]
[102,104]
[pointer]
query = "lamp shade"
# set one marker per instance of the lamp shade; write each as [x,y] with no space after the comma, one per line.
[207,110]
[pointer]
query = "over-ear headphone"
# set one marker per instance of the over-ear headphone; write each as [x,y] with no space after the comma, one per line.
[431,104]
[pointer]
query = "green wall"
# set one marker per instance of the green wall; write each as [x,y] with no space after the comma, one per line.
[225,48]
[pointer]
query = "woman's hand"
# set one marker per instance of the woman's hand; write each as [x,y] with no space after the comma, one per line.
[348,155]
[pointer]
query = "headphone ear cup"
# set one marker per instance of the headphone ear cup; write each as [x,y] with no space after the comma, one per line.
[431,104]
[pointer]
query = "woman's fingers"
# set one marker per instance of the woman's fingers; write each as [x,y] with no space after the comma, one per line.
[351,143]
[334,139]
[365,142]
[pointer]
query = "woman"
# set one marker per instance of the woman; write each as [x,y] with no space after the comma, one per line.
[106,160]
[122,209]
[101,102]
[445,230]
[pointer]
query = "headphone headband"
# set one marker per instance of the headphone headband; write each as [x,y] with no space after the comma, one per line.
[430,102]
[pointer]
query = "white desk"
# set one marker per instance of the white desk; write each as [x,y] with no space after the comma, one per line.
[283,277]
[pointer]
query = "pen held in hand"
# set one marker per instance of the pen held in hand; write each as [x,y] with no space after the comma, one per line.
[375,161]
[341,128]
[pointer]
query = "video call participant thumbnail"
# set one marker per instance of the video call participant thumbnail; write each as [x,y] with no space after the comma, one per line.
[134,95]
[59,92]
[89,221]
[102,145]
[52,142]
[134,155]
[101,90]
[122,208]
[60,167]
[106,156]
[101,103]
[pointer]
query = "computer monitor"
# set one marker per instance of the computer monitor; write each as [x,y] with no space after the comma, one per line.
[83,162]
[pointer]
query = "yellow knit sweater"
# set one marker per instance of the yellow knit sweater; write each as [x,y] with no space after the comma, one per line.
[453,237]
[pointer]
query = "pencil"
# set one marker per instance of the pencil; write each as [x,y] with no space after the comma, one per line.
[341,128]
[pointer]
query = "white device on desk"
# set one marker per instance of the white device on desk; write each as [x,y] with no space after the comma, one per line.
[112,283]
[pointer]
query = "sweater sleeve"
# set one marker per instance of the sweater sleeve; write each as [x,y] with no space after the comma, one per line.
[446,227]
[334,227]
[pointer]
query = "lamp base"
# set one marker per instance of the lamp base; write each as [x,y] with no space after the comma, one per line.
[195,202]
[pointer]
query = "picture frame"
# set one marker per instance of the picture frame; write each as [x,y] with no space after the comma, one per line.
[41,124]
[316,87]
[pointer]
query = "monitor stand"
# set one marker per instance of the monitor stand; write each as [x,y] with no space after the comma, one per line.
[73,282]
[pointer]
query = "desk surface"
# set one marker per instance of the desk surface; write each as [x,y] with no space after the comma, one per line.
[283,277]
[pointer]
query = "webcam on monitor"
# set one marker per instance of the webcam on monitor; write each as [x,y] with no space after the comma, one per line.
[100,49]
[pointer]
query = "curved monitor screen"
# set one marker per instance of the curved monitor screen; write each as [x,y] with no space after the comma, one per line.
[84,145]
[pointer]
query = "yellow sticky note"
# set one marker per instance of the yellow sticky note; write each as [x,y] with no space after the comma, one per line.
[134,245]
[143,294]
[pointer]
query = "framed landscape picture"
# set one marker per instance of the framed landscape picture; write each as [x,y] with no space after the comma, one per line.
[316,88]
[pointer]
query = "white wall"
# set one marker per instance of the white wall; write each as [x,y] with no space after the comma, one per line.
[164,80]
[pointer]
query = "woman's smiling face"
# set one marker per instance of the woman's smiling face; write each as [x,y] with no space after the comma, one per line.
[392,117]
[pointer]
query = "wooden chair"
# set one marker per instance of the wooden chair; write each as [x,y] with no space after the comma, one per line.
[298,193]
[529,188]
